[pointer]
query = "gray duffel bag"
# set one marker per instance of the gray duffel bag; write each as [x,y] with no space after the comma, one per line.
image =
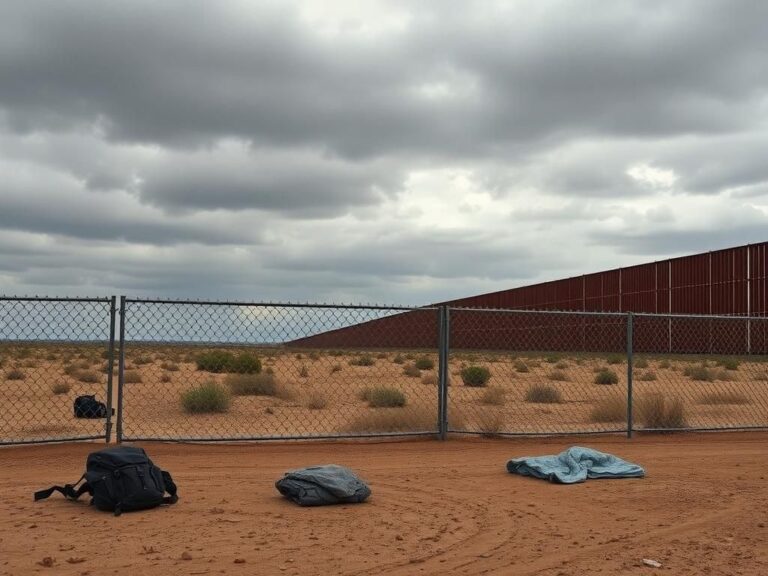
[321,485]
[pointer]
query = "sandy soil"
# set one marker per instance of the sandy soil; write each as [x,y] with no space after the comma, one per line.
[152,408]
[436,508]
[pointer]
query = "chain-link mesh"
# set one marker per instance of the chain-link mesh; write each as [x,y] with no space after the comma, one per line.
[515,372]
[51,352]
[216,371]
[699,372]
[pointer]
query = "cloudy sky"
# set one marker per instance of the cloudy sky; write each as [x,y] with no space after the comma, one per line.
[396,152]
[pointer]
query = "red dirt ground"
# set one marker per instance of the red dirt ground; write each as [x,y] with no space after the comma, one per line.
[437,508]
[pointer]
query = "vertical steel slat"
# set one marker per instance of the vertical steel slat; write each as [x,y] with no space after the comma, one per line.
[121,373]
[110,369]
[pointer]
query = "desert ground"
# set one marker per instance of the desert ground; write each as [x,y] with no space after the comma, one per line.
[436,508]
[323,392]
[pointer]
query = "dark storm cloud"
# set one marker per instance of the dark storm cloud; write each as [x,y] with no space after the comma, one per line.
[301,183]
[186,73]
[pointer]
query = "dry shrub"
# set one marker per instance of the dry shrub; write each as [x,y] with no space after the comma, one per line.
[728,363]
[363,360]
[664,364]
[335,368]
[521,366]
[252,384]
[606,376]
[558,376]
[89,376]
[209,397]
[490,423]
[543,394]
[142,360]
[304,371]
[424,363]
[316,400]
[648,376]
[475,376]
[398,359]
[61,387]
[15,374]
[724,398]
[165,377]
[384,397]
[615,359]
[552,359]
[724,375]
[71,370]
[562,365]
[699,373]
[412,419]
[132,377]
[170,366]
[430,379]
[658,411]
[494,396]
[314,356]
[640,362]
[612,409]
[411,370]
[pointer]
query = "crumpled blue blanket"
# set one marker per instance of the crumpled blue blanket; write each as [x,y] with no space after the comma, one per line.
[573,465]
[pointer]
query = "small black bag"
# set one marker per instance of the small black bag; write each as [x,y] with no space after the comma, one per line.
[88,407]
[120,479]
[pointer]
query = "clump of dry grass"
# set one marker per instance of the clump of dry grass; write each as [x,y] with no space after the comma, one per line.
[424,363]
[664,364]
[398,359]
[165,377]
[385,397]
[726,397]
[521,366]
[362,360]
[132,377]
[209,397]
[61,387]
[89,376]
[558,376]
[611,409]
[170,366]
[335,368]
[728,363]
[413,419]
[647,376]
[725,376]
[656,410]
[15,374]
[430,379]
[699,373]
[304,371]
[475,376]
[252,384]
[562,365]
[543,394]
[615,359]
[606,377]
[411,371]
[640,362]
[494,396]
[490,423]
[71,370]
[316,400]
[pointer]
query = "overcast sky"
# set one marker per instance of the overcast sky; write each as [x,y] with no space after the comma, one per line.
[362,151]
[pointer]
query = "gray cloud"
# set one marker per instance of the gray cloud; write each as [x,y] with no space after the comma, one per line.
[396,152]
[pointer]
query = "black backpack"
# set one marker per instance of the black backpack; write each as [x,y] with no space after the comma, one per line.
[120,479]
[88,407]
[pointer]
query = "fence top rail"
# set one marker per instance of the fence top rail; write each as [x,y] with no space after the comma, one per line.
[278,304]
[102,299]
[552,312]
[700,316]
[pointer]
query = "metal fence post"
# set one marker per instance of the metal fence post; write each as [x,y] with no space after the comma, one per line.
[630,336]
[443,351]
[110,368]
[121,373]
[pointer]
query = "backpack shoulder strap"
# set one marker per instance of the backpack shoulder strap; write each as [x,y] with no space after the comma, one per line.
[170,487]
[68,490]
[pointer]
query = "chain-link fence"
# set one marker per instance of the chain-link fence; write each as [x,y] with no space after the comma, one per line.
[53,351]
[226,371]
[518,372]
[189,370]
[715,378]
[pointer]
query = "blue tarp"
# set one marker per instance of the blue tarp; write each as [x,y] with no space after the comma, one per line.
[573,465]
